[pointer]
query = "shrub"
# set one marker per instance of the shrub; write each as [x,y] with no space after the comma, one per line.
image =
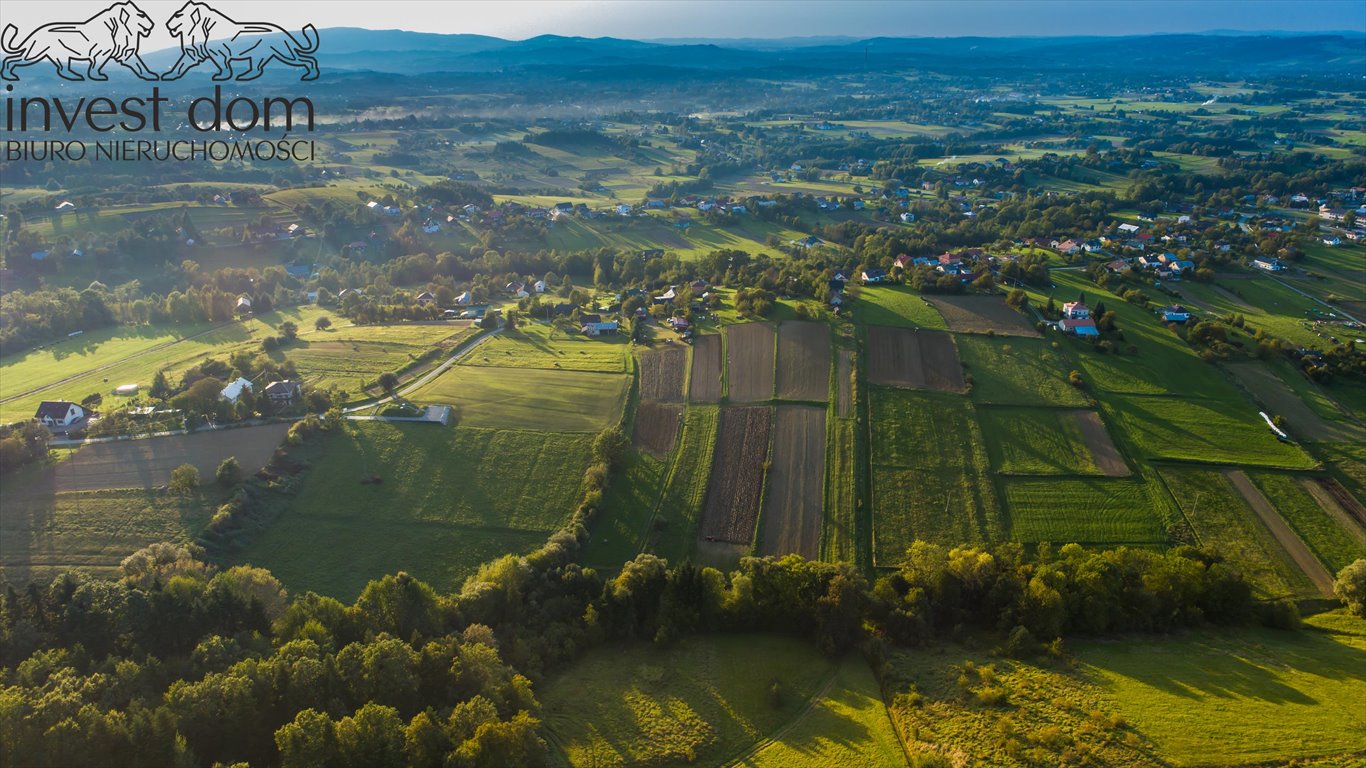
[184,478]
[229,472]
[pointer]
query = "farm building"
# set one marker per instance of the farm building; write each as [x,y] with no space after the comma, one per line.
[518,290]
[679,324]
[243,305]
[59,414]
[1270,265]
[1078,327]
[601,328]
[283,392]
[233,392]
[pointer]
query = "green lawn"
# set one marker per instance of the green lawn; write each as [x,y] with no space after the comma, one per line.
[701,701]
[896,305]
[43,534]
[449,500]
[541,345]
[1036,441]
[528,398]
[1017,371]
[930,473]
[1102,511]
[1203,430]
[1219,697]
[1331,543]
[1223,522]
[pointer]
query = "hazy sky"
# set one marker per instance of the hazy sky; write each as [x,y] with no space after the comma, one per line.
[645,19]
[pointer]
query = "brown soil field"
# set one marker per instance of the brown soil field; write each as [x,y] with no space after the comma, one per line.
[1299,553]
[1102,448]
[913,359]
[1280,400]
[731,510]
[148,463]
[844,385]
[1344,500]
[979,314]
[656,427]
[794,503]
[662,373]
[1334,500]
[706,369]
[804,361]
[749,362]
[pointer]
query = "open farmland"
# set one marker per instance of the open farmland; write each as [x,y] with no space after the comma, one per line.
[42,535]
[844,384]
[663,372]
[1299,553]
[1099,511]
[684,497]
[700,701]
[448,499]
[897,306]
[749,362]
[656,426]
[705,383]
[1222,520]
[737,476]
[792,519]
[804,361]
[353,357]
[1316,517]
[1198,429]
[1048,441]
[980,314]
[899,357]
[529,398]
[541,345]
[148,463]
[1279,400]
[622,525]
[1017,371]
[931,478]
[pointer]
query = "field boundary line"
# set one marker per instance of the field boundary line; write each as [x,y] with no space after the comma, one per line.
[459,352]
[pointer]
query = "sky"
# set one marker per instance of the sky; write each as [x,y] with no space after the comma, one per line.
[654,19]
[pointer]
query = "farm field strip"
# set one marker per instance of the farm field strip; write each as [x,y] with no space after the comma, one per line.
[844,384]
[737,477]
[980,314]
[911,359]
[656,427]
[1049,441]
[1201,430]
[1316,517]
[528,398]
[540,345]
[705,381]
[1280,400]
[793,505]
[803,361]
[1099,511]
[663,372]
[1289,541]
[896,306]
[1017,371]
[750,362]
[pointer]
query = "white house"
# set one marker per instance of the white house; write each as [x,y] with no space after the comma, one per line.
[233,392]
[1270,265]
[465,299]
[58,413]
[1332,240]
[243,304]
[1075,310]
[539,286]
[908,218]
[1128,228]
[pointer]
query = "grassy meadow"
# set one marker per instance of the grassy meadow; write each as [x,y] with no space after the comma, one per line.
[528,398]
[1016,371]
[896,305]
[541,345]
[1036,441]
[1097,511]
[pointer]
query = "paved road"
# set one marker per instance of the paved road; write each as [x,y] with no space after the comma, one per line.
[413,386]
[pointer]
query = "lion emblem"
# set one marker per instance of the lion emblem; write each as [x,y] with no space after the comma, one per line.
[113,34]
[207,35]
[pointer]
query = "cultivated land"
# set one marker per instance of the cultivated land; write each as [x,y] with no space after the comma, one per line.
[148,463]
[1097,511]
[541,345]
[844,384]
[705,382]
[897,306]
[1299,553]
[447,500]
[980,314]
[749,362]
[930,473]
[803,361]
[663,372]
[1279,400]
[1209,697]
[1047,441]
[701,701]
[528,398]
[1198,429]
[683,499]
[737,475]
[794,500]
[1017,371]
[912,359]
[656,427]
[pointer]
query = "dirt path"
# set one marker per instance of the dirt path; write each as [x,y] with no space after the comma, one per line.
[1103,450]
[1287,538]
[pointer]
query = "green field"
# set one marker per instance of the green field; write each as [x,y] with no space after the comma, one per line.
[449,500]
[930,473]
[1333,544]
[1225,697]
[840,541]
[43,534]
[897,306]
[1198,429]
[353,357]
[528,398]
[1036,441]
[680,504]
[540,345]
[627,508]
[1102,511]
[701,701]
[1017,371]
[1223,522]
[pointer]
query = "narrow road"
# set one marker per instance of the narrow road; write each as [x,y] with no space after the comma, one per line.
[1287,538]
[1312,297]
[428,376]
